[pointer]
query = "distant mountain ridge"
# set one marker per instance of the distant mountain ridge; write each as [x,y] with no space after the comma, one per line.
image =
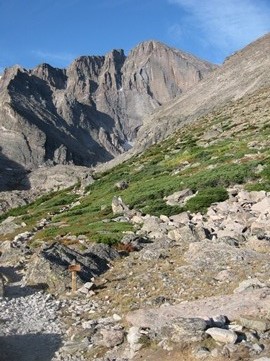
[89,112]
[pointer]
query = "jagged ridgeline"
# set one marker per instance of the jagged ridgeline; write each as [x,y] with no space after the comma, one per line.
[91,111]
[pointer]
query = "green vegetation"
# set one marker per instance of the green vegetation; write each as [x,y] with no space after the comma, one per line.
[205,198]
[51,202]
[237,154]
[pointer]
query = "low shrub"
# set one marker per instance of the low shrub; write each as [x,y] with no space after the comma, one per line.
[205,198]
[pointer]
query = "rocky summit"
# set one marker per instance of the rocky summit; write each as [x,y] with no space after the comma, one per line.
[164,256]
[91,111]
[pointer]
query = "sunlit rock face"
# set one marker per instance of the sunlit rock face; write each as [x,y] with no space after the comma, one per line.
[91,111]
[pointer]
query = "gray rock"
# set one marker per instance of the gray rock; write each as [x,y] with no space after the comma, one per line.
[152,254]
[121,219]
[152,224]
[182,330]
[10,256]
[164,218]
[118,206]
[222,335]
[183,234]
[9,225]
[179,198]
[43,180]
[22,237]
[121,185]
[202,353]
[257,348]
[249,284]
[224,275]
[182,218]
[136,242]
[250,197]
[86,288]
[111,337]
[137,219]
[262,207]
[229,240]
[254,302]
[260,228]
[134,338]
[257,324]
[72,347]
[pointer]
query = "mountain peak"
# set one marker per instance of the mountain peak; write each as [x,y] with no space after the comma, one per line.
[89,111]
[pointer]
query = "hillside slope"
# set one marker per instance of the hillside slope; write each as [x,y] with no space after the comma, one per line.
[185,272]
[243,73]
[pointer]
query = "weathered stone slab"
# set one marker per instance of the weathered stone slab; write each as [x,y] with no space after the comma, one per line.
[255,302]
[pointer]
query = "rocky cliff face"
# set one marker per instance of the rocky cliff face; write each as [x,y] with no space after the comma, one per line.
[89,112]
[245,72]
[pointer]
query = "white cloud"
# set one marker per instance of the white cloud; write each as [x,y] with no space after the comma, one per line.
[175,31]
[59,58]
[226,24]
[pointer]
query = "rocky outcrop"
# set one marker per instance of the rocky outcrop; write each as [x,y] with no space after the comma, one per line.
[252,303]
[32,184]
[50,267]
[89,112]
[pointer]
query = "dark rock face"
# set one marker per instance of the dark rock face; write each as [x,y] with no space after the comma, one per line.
[89,112]
[13,176]
[1,286]
[50,267]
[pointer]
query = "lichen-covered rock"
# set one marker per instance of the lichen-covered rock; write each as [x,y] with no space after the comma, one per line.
[183,330]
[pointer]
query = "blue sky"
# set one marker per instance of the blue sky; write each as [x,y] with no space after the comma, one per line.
[57,31]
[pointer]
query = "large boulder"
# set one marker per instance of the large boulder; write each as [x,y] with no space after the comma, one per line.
[118,206]
[179,198]
[184,330]
[221,335]
[9,225]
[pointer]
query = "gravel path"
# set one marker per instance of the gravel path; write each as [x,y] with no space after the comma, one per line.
[30,328]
